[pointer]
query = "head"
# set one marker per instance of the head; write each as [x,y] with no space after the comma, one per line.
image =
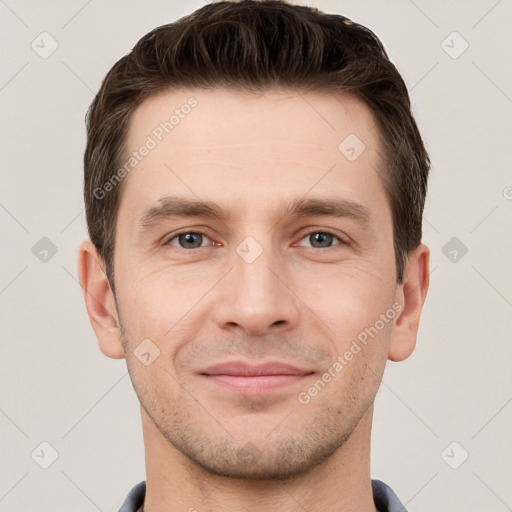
[254,190]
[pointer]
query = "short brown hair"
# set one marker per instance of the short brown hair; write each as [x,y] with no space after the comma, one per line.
[256,46]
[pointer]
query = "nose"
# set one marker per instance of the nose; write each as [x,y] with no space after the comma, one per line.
[257,297]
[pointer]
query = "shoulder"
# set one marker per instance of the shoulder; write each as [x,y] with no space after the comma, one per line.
[385,499]
[135,498]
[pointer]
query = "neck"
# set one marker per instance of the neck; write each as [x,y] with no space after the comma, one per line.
[340,483]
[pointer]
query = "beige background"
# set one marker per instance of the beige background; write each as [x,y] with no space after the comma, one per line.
[56,386]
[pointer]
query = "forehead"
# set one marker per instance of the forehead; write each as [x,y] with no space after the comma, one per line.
[247,148]
[321,118]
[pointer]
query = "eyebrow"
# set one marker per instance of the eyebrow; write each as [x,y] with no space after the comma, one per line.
[175,206]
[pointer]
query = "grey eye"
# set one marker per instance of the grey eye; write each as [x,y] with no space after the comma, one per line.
[190,240]
[321,239]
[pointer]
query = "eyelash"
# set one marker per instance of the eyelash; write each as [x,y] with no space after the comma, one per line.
[309,233]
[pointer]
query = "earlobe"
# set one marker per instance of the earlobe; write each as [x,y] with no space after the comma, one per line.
[411,293]
[99,301]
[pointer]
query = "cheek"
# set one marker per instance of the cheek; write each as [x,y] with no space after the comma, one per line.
[347,300]
[163,305]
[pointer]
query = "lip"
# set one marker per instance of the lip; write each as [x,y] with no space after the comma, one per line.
[243,377]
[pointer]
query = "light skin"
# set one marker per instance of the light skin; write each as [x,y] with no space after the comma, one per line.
[302,301]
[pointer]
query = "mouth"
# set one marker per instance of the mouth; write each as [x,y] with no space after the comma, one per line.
[242,377]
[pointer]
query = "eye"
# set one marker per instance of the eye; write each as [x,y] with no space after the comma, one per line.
[321,240]
[189,240]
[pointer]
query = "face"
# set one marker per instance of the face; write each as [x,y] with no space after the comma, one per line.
[251,253]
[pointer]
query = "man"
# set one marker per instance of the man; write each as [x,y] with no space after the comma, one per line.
[254,189]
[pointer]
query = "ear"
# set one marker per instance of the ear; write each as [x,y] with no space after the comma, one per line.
[99,300]
[411,294]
